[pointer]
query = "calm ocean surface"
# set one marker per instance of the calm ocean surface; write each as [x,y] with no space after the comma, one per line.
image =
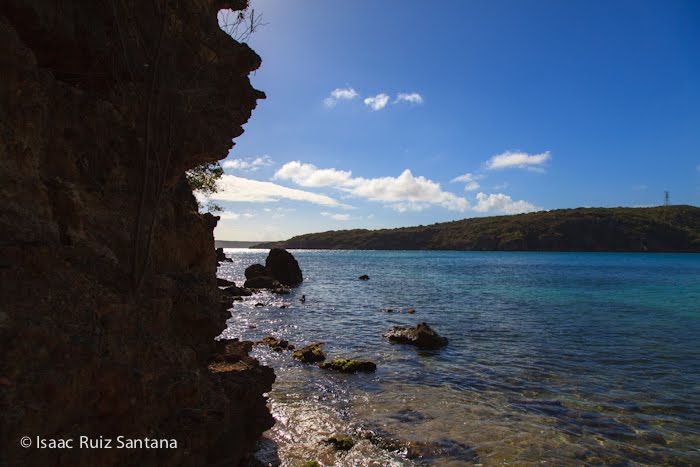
[557,358]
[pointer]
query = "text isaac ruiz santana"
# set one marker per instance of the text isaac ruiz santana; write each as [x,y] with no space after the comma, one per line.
[121,442]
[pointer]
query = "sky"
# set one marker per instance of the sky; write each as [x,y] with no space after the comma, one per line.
[383,114]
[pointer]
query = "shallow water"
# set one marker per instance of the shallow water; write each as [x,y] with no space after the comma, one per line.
[558,358]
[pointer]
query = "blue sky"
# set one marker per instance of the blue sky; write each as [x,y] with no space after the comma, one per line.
[453,109]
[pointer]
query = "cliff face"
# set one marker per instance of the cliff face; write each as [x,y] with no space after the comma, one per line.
[109,304]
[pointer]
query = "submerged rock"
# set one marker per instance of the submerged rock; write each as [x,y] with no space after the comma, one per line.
[364,277]
[312,353]
[341,442]
[422,336]
[275,344]
[345,365]
[281,265]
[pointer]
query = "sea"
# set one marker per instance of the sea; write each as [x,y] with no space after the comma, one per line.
[553,358]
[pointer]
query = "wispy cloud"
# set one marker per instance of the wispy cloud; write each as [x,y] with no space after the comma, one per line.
[412,98]
[377,102]
[238,189]
[520,160]
[470,181]
[249,164]
[339,94]
[502,203]
[336,216]
[405,192]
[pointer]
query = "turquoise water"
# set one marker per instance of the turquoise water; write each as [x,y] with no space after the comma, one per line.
[563,358]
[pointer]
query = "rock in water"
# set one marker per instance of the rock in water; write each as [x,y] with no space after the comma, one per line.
[221,256]
[364,277]
[261,282]
[311,353]
[255,270]
[281,265]
[421,336]
[345,365]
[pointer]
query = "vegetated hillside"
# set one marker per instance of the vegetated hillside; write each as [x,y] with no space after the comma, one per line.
[664,228]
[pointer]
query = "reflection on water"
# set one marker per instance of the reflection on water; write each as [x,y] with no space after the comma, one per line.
[582,359]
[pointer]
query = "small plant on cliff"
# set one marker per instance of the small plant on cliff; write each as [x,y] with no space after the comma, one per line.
[240,24]
[203,181]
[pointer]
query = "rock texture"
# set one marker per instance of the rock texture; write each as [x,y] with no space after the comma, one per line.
[422,336]
[107,271]
[345,365]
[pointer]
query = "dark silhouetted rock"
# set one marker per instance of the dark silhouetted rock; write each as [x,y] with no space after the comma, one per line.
[312,353]
[234,291]
[262,282]
[223,282]
[364,277]
[255,270]
[221,256]
[281,265]
[421,336]
[350,366]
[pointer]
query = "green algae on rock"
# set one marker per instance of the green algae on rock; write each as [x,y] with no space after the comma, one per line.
[345,365]
[311,353]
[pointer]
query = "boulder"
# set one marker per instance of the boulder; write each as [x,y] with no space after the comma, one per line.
[364,277]
[281,265]
[421,336]
[345,365]
[255,270]
[311,353]
[261,282]
[223,282]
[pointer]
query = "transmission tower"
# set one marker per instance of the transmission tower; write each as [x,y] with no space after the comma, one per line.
[667,200]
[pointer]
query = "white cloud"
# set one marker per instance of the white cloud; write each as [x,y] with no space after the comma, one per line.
[413,98]
[521,160]
[336,216]
[339,94]
[377,102]
[501,186]
[309,175]
[249,164]
[238,189]
[502,203]
[228,215]
[405,192]
[470,181]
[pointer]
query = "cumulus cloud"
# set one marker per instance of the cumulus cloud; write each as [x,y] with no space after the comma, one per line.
[377,102]
[520,160]
[405,192]
[499,202]
[412,98]
[309,175]
[339,94]
[249,164]
[470,181]
[336,216]
[238,189]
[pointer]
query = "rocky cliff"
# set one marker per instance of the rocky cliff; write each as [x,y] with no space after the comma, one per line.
[109,305]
